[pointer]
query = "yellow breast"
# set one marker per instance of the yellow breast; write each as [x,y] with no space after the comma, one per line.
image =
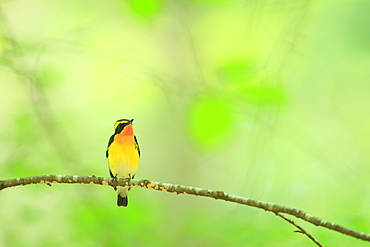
[123,157]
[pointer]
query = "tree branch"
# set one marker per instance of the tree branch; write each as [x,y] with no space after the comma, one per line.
[180,189]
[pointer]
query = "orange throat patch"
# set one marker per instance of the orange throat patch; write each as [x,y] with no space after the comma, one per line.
[126,136]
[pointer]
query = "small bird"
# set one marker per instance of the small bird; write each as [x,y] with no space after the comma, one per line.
[123,156]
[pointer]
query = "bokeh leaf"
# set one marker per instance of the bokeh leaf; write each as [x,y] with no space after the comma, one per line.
[146,8]
[237,72]
[211,120]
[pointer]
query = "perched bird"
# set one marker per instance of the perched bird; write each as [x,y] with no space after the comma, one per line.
[123,156]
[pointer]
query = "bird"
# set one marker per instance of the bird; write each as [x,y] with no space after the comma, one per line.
[123,155]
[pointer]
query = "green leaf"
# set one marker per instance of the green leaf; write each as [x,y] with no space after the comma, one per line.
[211,120]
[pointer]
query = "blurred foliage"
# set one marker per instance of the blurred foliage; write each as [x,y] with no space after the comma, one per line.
[262,95]
[146,8]
[211,121]
[263,99]
[237,72]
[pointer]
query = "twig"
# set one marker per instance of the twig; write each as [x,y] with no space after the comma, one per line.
[180,189]
[301,230]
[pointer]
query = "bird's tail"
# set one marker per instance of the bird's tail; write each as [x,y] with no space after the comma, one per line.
[122,196]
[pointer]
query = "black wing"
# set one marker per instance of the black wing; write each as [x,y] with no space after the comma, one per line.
[137,145]
[111,139]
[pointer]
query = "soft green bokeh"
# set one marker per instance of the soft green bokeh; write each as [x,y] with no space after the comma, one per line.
[210,121]
[238,72]
[146,8]
[263,99]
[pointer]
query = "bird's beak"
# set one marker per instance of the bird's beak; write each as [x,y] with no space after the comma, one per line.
[131,121]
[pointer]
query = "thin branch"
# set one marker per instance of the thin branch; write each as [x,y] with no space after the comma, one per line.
[180,189]
[301,230]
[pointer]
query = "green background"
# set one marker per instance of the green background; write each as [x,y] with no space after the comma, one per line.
[263,99]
